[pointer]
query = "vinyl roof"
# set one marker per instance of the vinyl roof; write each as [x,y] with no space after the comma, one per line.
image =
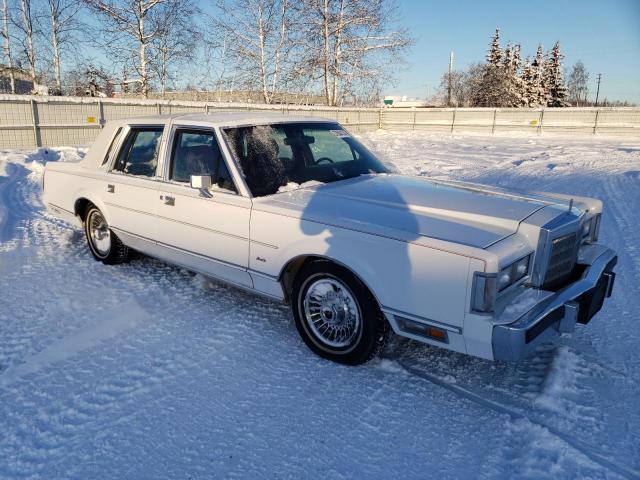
[226,119]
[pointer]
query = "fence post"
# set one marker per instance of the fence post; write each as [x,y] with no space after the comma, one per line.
[206,109]
[414,118]
[453,119]
[493,125]
[540,121]
[34,118]
[380,118]
[595,123]
[100,114]
[159,107]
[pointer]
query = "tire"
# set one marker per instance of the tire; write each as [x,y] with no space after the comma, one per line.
[336,315]
[104,245]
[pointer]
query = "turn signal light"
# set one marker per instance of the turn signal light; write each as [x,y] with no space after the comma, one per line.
[436,334]
[417,328]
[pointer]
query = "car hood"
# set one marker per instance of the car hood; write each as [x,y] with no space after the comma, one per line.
[412,207]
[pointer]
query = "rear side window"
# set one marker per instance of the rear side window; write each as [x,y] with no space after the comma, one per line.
[112,145]
[139,154]
[196,152]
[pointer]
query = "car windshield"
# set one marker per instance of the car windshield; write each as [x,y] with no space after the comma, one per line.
[281,157]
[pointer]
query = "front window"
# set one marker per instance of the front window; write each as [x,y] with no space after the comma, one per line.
[196,152]
[280,157]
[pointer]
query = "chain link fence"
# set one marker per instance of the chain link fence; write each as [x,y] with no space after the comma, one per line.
[28,122]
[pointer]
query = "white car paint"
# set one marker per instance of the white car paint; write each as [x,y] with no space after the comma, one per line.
[416,243]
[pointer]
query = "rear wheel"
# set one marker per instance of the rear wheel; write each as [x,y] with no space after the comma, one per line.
[336,315]
[103,243]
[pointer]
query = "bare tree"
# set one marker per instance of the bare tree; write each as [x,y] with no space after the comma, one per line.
[63,24]
[578,83]
[175,41]
[350,42]
[130,28]
[26,25]
[6,44]
[259,35]
[455,88]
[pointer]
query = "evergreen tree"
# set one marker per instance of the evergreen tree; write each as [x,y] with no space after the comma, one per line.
[507,60]
[538,95]
[513,79]
[494,56]
[491,89]
[528,86]
[553,80]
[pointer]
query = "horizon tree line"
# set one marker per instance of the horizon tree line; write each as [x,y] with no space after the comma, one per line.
[344,50]
[505,80]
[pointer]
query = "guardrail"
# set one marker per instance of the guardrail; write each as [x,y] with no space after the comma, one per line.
[32,121]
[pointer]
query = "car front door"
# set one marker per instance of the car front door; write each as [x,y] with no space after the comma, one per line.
[131,188]
[205,230]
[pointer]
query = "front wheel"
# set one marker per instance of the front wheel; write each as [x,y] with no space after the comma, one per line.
[105,245]
[336,315]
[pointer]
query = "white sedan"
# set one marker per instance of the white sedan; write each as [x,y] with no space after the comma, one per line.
[296,209]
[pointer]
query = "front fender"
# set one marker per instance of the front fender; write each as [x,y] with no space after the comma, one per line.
[403,276]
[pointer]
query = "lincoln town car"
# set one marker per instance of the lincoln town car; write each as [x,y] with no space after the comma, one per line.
[298,210]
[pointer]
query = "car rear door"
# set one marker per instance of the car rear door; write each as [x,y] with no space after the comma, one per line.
[207,231]
[131,194]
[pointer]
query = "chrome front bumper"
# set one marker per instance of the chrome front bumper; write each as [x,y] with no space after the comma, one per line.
[576,303]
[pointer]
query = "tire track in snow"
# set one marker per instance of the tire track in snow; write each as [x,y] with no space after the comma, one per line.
[589,451]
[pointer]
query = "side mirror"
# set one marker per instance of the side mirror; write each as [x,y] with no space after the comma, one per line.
[202,182]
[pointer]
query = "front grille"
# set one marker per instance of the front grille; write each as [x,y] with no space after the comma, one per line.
[562,259]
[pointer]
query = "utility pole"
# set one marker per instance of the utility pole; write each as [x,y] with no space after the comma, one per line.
[449,79]
[598,90]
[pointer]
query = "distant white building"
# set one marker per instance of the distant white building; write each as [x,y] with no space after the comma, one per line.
[402,101]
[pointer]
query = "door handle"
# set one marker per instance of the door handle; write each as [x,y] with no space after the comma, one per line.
[111,188]
[171,201]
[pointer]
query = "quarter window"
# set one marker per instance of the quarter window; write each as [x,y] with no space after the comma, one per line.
[113,143]
[139,155]
[196,152]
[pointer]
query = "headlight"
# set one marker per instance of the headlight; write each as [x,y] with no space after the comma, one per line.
[514,272]
[504,279]
[521,268]
[487,285]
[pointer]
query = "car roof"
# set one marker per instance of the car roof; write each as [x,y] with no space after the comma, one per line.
[225,119]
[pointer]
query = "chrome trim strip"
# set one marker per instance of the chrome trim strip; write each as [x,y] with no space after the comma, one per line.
[182,250]
[207,274]
[268,245]
[390,312]
[53,205]
[264,275]
[218,232]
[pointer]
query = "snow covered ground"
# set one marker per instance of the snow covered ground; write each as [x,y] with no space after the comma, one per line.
[149,371]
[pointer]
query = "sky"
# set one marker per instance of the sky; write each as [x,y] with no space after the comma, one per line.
[604,34]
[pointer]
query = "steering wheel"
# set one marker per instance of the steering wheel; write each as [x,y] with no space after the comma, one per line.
[324,159]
